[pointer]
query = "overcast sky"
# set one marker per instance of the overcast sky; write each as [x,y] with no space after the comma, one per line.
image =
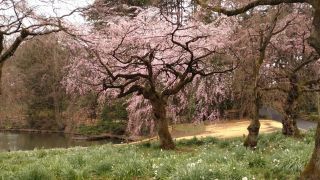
[60,7]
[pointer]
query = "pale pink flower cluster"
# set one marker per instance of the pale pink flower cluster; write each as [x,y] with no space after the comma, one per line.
[125,45]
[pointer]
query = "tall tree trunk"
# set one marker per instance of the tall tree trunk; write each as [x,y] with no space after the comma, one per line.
[312,170]
[318,103]
[254,127]
[314,39]
[289,123]
[1,67]
[289,126]
[160,114]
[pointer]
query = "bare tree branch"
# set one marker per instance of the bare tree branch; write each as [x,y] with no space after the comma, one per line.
[249,6]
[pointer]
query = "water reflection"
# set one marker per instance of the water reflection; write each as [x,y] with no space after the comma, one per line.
[30,141]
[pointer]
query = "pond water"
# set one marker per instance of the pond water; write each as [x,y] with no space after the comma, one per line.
[29,141]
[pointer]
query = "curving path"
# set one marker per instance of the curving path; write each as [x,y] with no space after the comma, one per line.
[275,115]
[234,128]
[238,128]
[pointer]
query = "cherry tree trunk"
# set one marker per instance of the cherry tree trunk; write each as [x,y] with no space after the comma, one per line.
[314,39]
[289,123]
[254,127]
[1,67]
[252,138]
[289,126]
[160,114]
[312,170]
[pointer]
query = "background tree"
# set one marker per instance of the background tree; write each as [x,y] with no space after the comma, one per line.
[312,170]
[257,42]
[41,63]
[35,81]
[290,70]
[20,22]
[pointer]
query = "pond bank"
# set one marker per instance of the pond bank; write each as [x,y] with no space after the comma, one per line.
[34,131]
[21,141]
[102,137]
[74,135]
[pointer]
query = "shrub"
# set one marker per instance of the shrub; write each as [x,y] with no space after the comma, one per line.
[103,127]
[114,111]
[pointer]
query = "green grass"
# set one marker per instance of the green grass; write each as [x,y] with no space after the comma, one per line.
[276,157]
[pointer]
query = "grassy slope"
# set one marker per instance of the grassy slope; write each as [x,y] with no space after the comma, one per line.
[276,157]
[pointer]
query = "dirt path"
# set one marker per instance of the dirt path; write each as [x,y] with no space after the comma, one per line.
[235,129]
[302,124]
[230,129]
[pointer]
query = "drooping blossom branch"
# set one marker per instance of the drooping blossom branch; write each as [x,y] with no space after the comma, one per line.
[152,57]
